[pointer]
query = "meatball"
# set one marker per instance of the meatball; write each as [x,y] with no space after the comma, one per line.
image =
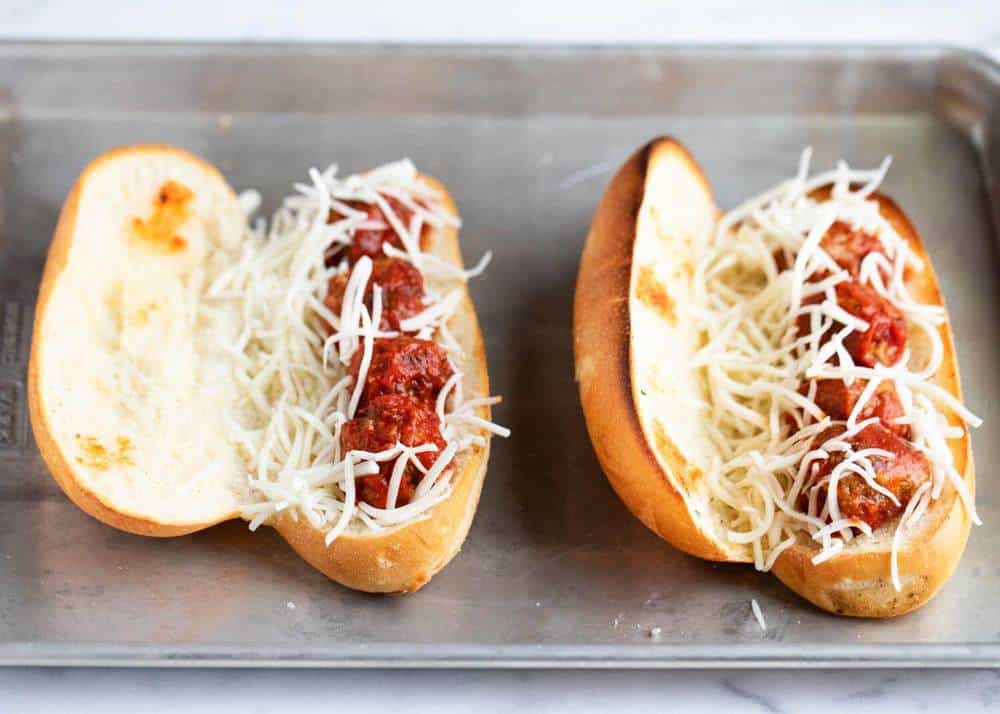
[404,365]
[901,475]
[386,420]
[848,246]
[402,291]
[885,338]
[837,400]
[369,241]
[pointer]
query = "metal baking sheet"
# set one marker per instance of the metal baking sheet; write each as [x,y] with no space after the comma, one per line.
[555,571]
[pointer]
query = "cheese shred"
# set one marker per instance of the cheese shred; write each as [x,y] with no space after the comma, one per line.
[292,355]
[753,360]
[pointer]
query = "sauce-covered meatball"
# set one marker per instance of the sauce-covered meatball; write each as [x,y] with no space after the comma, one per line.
[901,475]
[386,420]
[837,399]
[885,338]
[849,246]
[369,241]
[404,365]
[402,291]
[883,341]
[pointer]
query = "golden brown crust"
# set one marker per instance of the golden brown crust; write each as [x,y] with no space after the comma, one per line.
[855,583]
[402,560]
[601,341]
[63,472]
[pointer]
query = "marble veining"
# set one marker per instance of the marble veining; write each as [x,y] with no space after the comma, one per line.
[766,692]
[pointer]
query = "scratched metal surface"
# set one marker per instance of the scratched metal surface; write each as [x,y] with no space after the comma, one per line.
[555,571]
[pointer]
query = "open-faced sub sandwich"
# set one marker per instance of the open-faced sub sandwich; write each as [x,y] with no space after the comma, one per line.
[777,385]
[322,373]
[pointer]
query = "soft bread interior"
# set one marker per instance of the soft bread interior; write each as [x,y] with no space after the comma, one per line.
[130,376]
[676,219]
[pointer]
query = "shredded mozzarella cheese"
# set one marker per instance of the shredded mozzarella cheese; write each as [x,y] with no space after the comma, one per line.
[758,615]
[753,361]
[297,393]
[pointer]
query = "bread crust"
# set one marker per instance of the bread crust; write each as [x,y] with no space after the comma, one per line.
[400,560]
[602,338]
[855,583]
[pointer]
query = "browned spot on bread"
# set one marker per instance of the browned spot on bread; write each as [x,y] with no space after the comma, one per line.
[649,290]
[140,317]
[686,474]
[171,208]
[96,455]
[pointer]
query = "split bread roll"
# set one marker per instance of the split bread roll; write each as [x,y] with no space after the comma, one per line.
[635,341]
[131,386]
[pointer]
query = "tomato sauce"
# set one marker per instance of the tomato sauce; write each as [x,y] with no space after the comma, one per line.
[402,291]
[901,475]
[837,399]
[883,341]
[406,374]
[846,245]
[885,338]
[369,241]
[849,246]
[386,420]
[404,365]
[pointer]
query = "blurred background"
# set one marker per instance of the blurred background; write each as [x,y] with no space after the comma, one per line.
[965,22]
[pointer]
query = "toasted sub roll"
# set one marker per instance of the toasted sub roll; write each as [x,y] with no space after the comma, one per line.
[132,391]
[639,343]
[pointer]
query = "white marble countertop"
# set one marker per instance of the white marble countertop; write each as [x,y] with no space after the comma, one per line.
[41,691]
[966,22]
[960,22]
